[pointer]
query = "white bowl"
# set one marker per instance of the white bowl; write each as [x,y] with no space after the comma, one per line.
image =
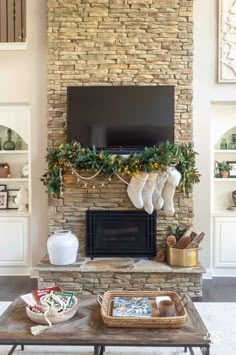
[53,316]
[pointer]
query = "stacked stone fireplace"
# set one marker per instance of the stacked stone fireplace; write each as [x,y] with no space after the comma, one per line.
[117,42]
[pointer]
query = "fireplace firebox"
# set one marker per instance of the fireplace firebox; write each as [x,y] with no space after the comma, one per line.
[120,233]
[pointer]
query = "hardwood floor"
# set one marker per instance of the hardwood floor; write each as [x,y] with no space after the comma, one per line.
[218,289]
[14,286]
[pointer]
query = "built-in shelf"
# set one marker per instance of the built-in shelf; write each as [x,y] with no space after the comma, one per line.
[15,231]
[226,212]
[14,213]
[225,151]
[15,179]
[225,179]
[13,151]
[13,46]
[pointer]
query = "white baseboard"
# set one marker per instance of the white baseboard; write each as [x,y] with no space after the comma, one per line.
[34,274]
[208,274]
[219,272]
[15,271]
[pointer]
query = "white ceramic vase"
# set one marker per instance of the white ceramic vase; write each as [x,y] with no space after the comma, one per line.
[62,247]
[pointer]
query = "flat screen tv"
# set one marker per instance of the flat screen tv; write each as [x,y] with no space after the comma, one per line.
[120,119]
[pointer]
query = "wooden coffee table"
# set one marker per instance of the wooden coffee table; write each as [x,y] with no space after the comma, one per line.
[87,328]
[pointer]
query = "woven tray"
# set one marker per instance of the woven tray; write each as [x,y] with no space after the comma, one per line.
[155,321]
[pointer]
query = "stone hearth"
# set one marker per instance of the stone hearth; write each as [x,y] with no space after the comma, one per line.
[97,276]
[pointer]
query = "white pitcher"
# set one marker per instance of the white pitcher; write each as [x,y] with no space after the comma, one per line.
[62,247]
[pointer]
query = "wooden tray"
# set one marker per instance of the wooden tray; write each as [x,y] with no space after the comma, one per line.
[155,321]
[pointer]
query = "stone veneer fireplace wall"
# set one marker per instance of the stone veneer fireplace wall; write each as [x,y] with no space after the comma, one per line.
[116,42]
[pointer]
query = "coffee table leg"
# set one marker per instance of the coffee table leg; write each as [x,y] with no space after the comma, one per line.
[205,350]
[12,349]
[191,350]
[102,350]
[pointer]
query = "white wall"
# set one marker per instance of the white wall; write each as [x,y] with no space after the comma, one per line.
[23,76]
[206,91]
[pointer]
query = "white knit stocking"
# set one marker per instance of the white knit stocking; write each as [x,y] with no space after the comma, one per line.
[157,199]
[148,191]
[135,188]
[172,182]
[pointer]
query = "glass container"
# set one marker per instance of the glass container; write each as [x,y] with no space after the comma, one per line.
[9,144]
[223,143]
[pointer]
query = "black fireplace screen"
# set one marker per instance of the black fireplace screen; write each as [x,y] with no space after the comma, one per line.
[120,233]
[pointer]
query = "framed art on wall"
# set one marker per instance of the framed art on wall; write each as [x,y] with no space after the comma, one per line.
[3,199]
[227,41]
[232,172]
[12,194]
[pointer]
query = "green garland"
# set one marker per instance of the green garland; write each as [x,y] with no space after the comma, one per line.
[182,156]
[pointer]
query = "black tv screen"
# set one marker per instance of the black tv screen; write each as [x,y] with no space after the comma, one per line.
[120,118]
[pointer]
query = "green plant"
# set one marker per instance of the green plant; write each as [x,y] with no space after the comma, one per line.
[177,231]
[73,156]
[223,166]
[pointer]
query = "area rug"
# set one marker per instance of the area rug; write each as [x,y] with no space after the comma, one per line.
[219,318]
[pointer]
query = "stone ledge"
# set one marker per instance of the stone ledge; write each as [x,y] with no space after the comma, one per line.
[97,276]
[121,265]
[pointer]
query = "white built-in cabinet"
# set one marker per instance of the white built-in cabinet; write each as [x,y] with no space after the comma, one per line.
[223,236]
[224,242]
[15,242]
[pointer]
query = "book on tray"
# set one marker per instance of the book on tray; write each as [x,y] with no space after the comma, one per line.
[131,307]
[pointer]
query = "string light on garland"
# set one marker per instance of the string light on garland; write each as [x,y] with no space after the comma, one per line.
[79,159]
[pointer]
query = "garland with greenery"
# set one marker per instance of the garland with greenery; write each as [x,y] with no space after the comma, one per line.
[59,159]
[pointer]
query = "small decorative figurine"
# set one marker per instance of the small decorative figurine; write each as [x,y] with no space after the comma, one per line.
[22,199]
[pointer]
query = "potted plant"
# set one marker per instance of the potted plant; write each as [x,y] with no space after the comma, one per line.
[182,246]
[223,169]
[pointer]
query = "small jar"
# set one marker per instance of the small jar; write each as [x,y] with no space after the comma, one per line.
[223,143]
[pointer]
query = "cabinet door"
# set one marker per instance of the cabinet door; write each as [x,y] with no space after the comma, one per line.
[14,249]
[225,242]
